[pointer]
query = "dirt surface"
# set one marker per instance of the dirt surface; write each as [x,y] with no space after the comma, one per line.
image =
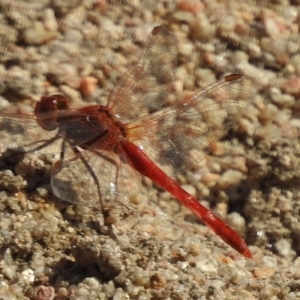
[51,249]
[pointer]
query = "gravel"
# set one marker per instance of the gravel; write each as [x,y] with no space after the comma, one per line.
[53,250]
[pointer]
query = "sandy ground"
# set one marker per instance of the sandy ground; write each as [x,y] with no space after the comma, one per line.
[50,249]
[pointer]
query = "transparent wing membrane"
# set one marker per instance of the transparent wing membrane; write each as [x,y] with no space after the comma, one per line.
[144,87]
[169,136]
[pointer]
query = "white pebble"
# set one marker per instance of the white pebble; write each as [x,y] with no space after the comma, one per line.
[283,247]
[229,178]
[49,20]
[270,261]
[201,27]
[272,28]
[283,100]
[92,283]
[236,221]
[28,275]
[35,35]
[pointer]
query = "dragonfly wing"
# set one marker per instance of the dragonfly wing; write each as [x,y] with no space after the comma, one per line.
[144,87]
[203,118]
[180,137]
[94,178]
[71,181]
[22,133]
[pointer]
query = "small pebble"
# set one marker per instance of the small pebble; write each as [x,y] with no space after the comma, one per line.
[88,85]
[45,293]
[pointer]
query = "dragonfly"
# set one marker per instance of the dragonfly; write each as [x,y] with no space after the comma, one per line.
[105,150]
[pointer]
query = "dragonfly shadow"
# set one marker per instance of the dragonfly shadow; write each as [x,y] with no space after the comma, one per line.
[11,157]
[68,270]
[31,172]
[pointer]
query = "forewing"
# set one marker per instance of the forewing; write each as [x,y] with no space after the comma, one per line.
[144,87]
[20,131]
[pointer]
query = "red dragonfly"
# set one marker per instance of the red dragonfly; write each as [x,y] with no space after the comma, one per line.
[117,143]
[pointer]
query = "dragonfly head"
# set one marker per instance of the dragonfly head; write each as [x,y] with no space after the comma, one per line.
[46,110]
